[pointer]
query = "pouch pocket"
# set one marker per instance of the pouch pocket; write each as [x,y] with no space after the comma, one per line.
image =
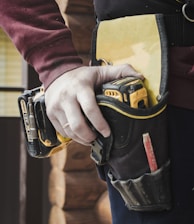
[149,192]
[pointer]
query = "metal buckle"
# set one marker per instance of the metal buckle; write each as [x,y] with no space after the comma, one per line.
[102,60]
[185,14]
[101,148]
[98,154]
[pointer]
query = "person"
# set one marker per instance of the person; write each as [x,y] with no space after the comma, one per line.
[38,31]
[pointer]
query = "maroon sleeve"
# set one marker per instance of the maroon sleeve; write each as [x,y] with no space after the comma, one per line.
[37,29]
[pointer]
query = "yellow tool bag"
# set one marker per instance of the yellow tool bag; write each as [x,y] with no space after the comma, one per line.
[137,150]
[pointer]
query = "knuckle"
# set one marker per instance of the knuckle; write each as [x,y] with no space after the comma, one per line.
[51,111]
[77,127]
[87,134]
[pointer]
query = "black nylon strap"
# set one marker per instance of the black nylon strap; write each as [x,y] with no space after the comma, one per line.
[180,31]
[185,1]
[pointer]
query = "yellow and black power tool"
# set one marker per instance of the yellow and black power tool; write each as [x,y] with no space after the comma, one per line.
[41,137]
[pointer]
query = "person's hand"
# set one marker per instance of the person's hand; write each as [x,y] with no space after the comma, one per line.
[72,95]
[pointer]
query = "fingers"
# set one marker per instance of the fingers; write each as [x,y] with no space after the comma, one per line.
[109,73]
[92,111]
[78,126]
[70,122]
[77,122]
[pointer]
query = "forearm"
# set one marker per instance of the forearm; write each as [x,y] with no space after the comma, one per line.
[38,31]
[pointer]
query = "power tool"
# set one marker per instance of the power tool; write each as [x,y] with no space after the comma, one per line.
[42,138]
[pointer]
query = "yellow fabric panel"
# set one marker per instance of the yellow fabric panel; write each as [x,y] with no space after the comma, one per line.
[134,40]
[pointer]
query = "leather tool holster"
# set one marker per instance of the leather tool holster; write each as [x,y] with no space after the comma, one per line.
[140,41]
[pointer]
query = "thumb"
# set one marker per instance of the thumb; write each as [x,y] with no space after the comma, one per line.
[109,73]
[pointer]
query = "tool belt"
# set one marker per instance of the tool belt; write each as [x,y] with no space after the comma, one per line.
[137,150]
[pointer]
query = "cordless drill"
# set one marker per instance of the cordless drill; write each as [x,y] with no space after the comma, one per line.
[42,138]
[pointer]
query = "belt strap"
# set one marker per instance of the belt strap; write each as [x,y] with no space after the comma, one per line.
[180,31]
[188,2]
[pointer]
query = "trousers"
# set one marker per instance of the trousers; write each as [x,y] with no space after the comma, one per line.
[181,146]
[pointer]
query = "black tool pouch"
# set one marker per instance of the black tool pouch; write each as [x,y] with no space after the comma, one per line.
[142,188]
[137,150]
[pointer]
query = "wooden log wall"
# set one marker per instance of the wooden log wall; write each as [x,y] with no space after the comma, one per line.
[76,193]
